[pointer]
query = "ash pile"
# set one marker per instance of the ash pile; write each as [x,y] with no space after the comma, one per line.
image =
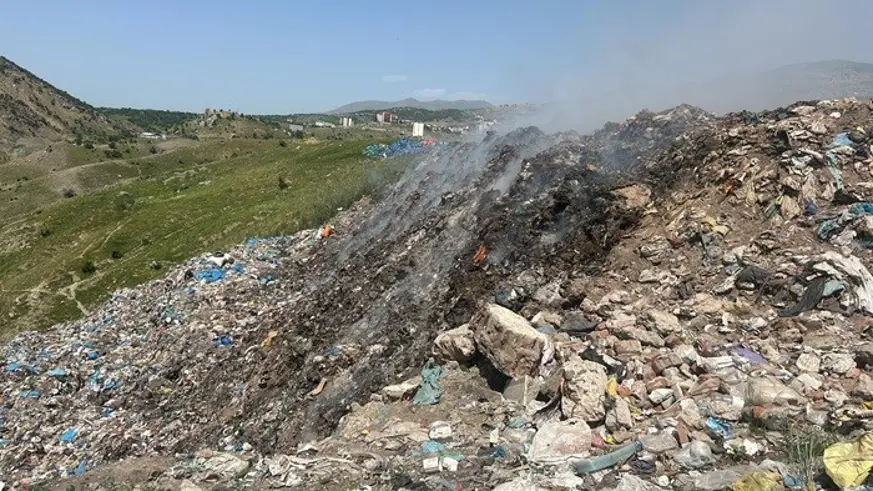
[675,302]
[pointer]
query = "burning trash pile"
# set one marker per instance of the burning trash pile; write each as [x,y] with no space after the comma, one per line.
[678,301]
[399,148]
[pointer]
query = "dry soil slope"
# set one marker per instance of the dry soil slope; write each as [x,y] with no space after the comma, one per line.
[32,108]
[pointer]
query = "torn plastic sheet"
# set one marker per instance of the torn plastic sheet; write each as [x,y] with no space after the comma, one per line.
[852,274]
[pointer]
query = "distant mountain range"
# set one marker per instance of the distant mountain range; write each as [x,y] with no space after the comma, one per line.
[437,105]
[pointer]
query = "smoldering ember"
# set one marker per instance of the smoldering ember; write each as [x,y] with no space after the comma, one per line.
[677,301]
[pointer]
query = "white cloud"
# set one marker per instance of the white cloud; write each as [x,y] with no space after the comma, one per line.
[394,79]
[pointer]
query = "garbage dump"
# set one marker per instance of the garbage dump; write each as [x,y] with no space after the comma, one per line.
[652,306]
[399,148]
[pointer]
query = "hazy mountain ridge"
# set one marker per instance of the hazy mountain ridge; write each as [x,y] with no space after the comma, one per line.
[436,105]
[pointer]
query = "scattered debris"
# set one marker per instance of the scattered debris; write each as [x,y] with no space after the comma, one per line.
[663,304]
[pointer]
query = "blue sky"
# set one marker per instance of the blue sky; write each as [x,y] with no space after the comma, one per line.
[299,56]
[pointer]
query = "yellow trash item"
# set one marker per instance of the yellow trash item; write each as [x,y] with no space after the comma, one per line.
[611,387]
[759,481]
[849,463]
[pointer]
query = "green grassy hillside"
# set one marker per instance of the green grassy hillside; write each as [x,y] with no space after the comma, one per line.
[173,206]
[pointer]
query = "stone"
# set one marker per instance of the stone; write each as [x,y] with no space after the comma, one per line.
[687,353]
[836,397]
[635,196]
[726,407]
[789,208]
[577,322]
[664,362]
[809,380]
[620,321]
[659,443]
[549,294]
[584,388]
[658,396]
[630,482]
[761,391]
[690,413]
[186,485]
[663,322]
[655,248]
[405,389]
[755,324]
[838,363]
[456,344]
[808,362]
[619,415]
[647,338]
[694,455]
[628,347]
[512,345]
[864,355]
[864,387]
[557,439]
[522,390]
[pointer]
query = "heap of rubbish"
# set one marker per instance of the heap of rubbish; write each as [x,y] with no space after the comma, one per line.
[399,148]
[677,301]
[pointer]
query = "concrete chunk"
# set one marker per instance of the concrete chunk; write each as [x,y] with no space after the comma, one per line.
[455,344]
[584,388]
[510,342]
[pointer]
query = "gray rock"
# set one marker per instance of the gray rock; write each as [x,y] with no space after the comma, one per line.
[663,322]
[584,386]
[694,455]
[864,387]
[619,416]
[401,390]
[838,363]
[726,407]
[522,390]
[647,338]
[808,362]
[549,294]
[455,344]
[630,482]
[660,442]
[510,342]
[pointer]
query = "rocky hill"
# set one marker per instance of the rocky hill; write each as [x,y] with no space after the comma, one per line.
[679,301]
[32,108]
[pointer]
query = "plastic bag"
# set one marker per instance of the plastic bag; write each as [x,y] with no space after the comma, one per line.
[849,463]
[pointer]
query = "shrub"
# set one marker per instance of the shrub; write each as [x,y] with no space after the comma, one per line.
[89,268]
[69,193]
